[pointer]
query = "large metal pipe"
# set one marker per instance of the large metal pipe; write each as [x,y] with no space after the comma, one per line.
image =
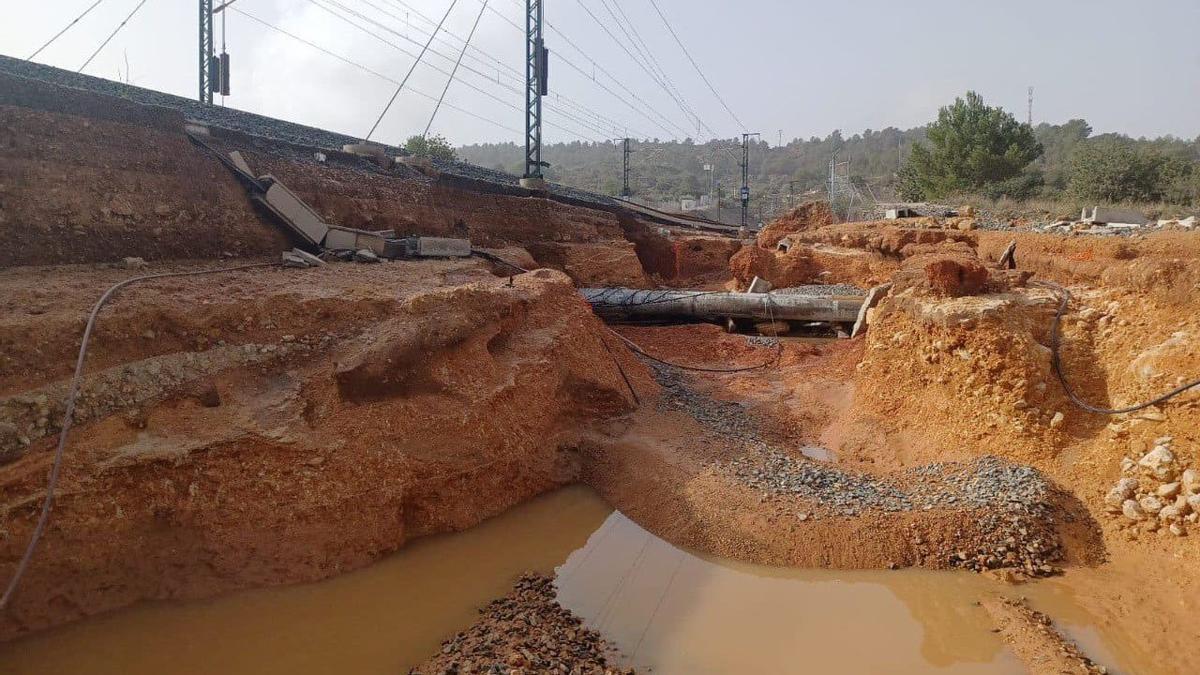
[629,302]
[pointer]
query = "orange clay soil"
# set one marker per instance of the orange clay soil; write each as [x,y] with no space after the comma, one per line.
[287,425]
[954,378]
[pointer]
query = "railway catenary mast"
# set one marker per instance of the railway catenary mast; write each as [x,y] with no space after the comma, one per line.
[536,86]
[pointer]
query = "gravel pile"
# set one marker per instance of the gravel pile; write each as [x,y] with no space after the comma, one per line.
[1012,531]
[986,482]
[762,341]
[524,632]
[821,290]
[256,125]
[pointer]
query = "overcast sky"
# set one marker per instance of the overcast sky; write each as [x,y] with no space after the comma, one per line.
[805,68]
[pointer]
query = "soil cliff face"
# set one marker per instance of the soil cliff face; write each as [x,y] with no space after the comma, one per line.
[282,458]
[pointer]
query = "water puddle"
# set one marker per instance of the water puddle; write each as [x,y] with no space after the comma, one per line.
[676,612]
[382,619]
[664,608]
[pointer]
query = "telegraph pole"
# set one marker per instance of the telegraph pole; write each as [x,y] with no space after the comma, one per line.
[536,86]
[625,191]
[208,75]
[1029,119]
[745,194]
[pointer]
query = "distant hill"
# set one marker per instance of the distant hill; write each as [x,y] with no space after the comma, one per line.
[667,171]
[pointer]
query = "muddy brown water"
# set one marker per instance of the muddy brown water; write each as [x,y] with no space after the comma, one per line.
[666,609]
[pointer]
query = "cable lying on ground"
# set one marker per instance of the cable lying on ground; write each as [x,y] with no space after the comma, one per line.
[700,369]
[69,414]
[1056,363]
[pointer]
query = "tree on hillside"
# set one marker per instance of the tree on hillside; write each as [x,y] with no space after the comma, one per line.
[1111,168]
[435,147]
[971,145]
[1058,144]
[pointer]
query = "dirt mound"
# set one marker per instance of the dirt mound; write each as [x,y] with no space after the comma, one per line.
[322,449]
[783,269]
[943,275]
[526,631]
[703,258]
[594,264]
[807,216]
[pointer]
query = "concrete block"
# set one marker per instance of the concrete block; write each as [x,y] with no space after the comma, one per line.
[307,257]
[1110,215]
[897,214]
[443,247]
[303,220]
[759,285]
[196,128]
[874,296]
[535,184]
[290,259]
[345,238]
[240,162]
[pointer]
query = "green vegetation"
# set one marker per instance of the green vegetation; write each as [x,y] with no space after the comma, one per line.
[970,150]
[1116,170]
[435,147]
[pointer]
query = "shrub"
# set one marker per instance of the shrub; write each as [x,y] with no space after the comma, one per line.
[434,147]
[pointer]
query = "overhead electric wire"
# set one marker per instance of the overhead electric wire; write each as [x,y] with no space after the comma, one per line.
[631,33]
[411,69]
[65,29]
[384,40]
[695,65]
[369,70]
[677,130]
[111,36]
[455,70]
[510,72]
[397,47]
[678,101]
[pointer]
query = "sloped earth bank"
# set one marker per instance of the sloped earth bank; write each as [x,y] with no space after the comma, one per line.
[275,426]
[86,177]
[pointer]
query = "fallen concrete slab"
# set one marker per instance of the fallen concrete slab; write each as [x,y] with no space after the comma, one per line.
[1109,215]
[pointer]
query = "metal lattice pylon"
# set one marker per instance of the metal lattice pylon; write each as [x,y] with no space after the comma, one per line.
[844,196]
[535,87]
[207,52]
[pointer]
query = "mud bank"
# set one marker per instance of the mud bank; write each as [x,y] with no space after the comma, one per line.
[262,458]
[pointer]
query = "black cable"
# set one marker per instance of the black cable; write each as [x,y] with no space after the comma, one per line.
[620,369]
[69,416]
[65,29]
[696,65]
[111,36]
[497,259]
[1056,362]
[410,70]
[634,347]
